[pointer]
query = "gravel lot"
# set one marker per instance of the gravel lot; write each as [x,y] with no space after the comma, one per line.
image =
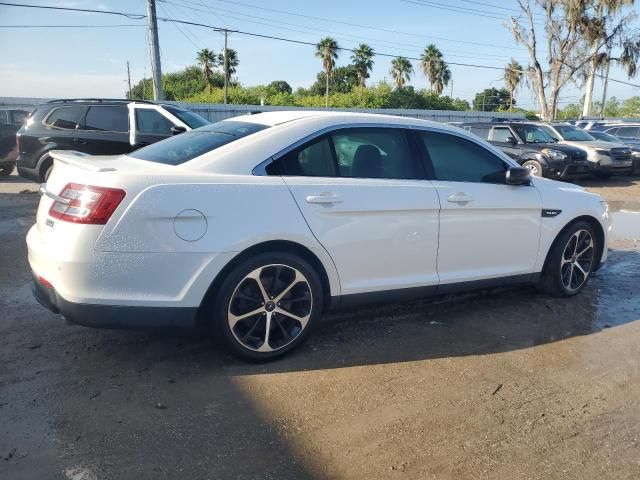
[507,384]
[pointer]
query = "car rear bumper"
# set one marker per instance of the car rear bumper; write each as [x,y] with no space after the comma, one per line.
[114,316]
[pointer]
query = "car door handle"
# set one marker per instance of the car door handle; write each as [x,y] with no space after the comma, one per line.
[80,141]
[460,197]
[324,198]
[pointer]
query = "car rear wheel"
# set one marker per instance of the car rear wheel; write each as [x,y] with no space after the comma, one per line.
[571,261]
[6,171]
[267,306]
[534,167]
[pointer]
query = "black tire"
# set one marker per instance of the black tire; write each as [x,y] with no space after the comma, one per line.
[535,167]
[6,171]
[245,294]
[553,280]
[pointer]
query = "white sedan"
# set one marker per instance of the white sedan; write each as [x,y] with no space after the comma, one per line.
[256,225]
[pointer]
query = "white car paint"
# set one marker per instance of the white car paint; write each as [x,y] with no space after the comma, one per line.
[379,235]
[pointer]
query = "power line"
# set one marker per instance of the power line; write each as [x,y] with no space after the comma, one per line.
[75,26]
[259,35]
[350,24]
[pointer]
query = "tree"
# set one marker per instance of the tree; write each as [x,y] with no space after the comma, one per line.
[492,100]
[207,61]
[603,30]
[279,86]
[342,80]
[232,62]
[401,69]
[512,77]
[434,68]
[179,85]
[362,59]
[565,47]
[327,50]
[630,107]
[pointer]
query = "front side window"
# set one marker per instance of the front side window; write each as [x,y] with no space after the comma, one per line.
[181,148]
[456,159]
[151,121]
[65,117]
[374,153]
[311,160]
[503,135]
[19,116]
[3,117]
[108,118]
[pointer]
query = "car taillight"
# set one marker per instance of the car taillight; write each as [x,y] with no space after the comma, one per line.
[86,204]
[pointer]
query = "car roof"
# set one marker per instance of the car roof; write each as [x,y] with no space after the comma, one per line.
[280,117]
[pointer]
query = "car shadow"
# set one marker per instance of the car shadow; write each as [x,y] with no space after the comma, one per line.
[615,181]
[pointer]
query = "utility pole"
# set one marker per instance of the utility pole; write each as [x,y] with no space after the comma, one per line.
[226,66]
[451,90]
[606,82]
[156,70]
[129,79]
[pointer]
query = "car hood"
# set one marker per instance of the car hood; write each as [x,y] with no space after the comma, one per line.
[595,144]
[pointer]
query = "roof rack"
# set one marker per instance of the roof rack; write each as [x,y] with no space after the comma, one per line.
[99,100]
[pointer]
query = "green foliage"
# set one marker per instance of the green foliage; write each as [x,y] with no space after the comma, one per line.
[492,100]
[279,86]
[178,85]
[341,80]
[630,107]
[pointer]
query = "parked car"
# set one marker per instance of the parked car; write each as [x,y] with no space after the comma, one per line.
[624,131]
[10,121]
[633,145]
[95,127]
[256,225]
[533,148]
[605,159]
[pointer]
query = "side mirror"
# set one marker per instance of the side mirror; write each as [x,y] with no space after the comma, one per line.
[512,141]
[518,176]
[176,130]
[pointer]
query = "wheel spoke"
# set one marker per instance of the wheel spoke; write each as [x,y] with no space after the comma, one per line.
[233,319]
[297,279]
[256,276]
[585,249]
[286,334]
[250,331]
[265,347]
[579,267]
[303,320]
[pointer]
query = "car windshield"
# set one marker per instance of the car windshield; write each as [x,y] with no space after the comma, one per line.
[192,119]
[573,134]
[533,134]
[187,146]
[605,137]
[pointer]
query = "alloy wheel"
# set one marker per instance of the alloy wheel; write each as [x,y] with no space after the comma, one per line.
[533,169]
[577,260]
[270,308]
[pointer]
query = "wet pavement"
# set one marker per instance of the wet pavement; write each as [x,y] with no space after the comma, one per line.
[500,384]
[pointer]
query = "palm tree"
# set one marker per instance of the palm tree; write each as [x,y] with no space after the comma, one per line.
[442,78]
[232,62]
[401,69]
[207,60]
[512,77]
[434,68]
[362,59]
[327,50]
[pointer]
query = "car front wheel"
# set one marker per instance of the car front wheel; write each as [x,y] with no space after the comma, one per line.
[534,167]
[267,306]
[571,261]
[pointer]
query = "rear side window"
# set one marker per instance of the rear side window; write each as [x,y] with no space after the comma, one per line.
[65,117]
[152,121]
[502,134]
[374,153]
[108,118]
[3,117]
[312,160]
[456,159]
[627,131]
[482,132]
[19,116]
[189,145]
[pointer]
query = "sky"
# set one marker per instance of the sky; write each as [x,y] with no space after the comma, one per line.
[91,60]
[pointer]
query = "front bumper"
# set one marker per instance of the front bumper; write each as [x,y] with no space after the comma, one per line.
[114,316]
[572,171]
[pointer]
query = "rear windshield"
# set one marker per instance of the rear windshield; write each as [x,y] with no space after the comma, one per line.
[192,119]
[189,145]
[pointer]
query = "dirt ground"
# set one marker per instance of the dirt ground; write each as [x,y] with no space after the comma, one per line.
[508,384]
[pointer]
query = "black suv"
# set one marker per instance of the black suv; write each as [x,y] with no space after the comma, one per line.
[533,148]
[96,127]
[10,121]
